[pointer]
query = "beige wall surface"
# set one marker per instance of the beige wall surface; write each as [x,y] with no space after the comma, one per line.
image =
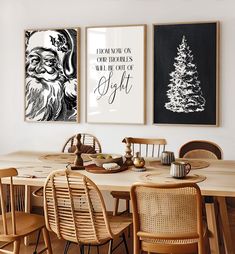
[17,15]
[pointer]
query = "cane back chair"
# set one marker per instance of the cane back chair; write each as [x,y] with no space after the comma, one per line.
[90,144]
[200,149]
[203,149]
[168,218]
[147,148]
[15,225]
[75,211]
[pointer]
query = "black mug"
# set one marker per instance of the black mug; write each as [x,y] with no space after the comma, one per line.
[167,157]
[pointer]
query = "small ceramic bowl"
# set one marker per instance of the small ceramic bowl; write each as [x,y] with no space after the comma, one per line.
[100,158]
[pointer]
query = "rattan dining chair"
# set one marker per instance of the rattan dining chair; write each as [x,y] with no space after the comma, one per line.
[200,149]
[75,211]
[168,218]
[147,147]
[15,225]
[90,143]
[203,149]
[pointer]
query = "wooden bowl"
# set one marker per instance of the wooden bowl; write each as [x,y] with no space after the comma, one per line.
[100,161]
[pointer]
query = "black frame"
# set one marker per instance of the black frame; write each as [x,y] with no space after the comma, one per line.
[202,40]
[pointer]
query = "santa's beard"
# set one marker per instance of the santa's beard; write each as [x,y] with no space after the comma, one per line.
[44,100]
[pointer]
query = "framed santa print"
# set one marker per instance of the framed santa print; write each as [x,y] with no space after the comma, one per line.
[186,73]
[52,75]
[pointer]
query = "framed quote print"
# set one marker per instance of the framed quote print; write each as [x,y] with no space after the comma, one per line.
[186,73]
[52,75]
[115,74]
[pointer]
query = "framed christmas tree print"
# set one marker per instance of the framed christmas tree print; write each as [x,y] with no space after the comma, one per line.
[186,73]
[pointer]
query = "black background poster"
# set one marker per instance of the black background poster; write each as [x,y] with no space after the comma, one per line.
[201,41]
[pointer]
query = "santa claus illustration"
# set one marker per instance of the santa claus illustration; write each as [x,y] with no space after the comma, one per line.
[51,75]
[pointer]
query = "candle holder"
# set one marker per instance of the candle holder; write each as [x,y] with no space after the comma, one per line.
[78,162]
[128,154]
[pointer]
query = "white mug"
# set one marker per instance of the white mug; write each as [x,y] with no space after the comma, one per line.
[180,169]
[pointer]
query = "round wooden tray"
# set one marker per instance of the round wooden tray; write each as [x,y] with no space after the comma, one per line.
[63,157]
[34,171]
[92,168]
[166,178]
[195,164]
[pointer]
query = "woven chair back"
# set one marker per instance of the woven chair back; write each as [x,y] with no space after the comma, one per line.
[145,146]
[7,202]
[74,208]
[166,212]
[200,149]
[86,139]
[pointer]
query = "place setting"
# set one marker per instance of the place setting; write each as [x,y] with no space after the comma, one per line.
[39,171]
[178,171]
[63,158]
[167,157]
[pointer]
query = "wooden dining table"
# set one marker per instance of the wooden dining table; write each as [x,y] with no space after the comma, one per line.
[216,180]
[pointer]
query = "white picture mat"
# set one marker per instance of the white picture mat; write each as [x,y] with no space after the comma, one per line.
[127,45]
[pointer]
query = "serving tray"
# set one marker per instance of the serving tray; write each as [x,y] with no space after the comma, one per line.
[161,177]
[92,168]
[63,157]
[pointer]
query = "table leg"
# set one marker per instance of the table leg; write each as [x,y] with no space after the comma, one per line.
[212,227]
[27,208]
[223,213]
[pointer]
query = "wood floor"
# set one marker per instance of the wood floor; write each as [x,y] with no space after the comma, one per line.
[58,247]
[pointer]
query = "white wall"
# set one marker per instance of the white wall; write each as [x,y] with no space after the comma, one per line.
[17,15]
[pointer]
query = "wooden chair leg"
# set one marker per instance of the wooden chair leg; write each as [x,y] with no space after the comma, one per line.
[202,248]
[116,204]
[16,248]
[127,205]
[206,243]
[47,240]
[27,208]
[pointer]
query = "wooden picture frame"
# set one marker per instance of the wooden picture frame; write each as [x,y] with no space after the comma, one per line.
[185,82]
[52,75]
[116,74]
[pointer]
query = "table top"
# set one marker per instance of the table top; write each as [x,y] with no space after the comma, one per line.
[220,174]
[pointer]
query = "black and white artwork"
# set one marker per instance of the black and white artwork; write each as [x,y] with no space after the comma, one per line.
[51,80]
[185,73]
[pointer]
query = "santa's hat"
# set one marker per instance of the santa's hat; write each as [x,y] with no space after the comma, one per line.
[59,41]
[46,39]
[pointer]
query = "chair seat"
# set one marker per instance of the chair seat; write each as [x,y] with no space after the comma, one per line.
[26,223]
[38,193]
[192,244]
[119,224]
[121,194]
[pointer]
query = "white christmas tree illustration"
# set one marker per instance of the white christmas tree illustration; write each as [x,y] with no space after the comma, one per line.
[185,94]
